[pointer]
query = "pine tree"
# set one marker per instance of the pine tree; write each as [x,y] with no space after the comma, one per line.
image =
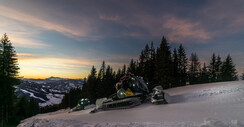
[212,69]
[102,70]
[107,82]
[142,60]
[228,71]
[175,68]
[22,109]
[99,87]
[163,66]
[132,67]
[8,78]
[89,88]
[218,69]
[242,76]
[194,69]
[204,74]
[146,65]
[182,65]
[33,107]
[118,75]
[146,68]
[8,59]
[151,67]
[124,70]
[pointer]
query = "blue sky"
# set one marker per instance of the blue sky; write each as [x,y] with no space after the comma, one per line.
[65,38]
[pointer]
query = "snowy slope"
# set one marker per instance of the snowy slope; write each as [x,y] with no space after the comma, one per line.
[47,91]
[206,105]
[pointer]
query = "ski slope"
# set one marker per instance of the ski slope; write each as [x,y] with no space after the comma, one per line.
[205,105]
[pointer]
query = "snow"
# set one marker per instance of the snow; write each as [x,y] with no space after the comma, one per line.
[43,90]
[31,94]
[71,84]
[53,90]
[53,99]
[204,105]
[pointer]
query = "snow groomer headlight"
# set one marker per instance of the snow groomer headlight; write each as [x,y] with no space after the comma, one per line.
[121,93]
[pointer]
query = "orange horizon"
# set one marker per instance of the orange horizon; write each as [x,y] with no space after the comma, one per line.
[34,77]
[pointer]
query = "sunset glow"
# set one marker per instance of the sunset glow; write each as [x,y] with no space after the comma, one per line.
[66,38]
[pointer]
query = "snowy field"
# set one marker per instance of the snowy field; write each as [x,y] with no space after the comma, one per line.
[205,105]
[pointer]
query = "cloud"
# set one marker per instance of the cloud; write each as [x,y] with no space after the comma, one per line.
[19,35]
[224,17]
[184,29]
[109,18]
[27,43]
[40,23]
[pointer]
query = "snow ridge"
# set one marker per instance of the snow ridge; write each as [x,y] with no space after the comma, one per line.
[74,123]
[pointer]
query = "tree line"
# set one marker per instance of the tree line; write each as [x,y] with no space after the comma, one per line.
[157,66]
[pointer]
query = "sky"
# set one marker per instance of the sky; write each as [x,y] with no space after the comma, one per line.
[65,38]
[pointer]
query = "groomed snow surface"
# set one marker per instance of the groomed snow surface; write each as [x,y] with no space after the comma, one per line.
[205,105]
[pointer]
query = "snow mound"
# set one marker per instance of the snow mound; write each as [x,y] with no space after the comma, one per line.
[215,123]
[75,123]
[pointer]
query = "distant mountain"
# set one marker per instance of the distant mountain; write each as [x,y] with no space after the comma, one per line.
[47,91]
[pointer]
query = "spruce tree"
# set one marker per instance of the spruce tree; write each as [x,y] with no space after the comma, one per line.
[146,66]
[33,107]
[8,78]
[108,82]
[89,88]
[22,109]
[163,66]
[8,59]
[132,67]
[212,69]
[118,75]
[228,71]
[124,70]
[102,70]
[175,68]
[204,74]
[147,61]
[142,60]
[242,76]
[218,69]
[194,69]
[151,67]
[182,65]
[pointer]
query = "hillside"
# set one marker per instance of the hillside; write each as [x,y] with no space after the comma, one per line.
[47,91]
[206,105]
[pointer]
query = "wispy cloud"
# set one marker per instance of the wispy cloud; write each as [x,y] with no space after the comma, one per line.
[27,43]
[184,29]
[38,22]
[19,35]
[109,18]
